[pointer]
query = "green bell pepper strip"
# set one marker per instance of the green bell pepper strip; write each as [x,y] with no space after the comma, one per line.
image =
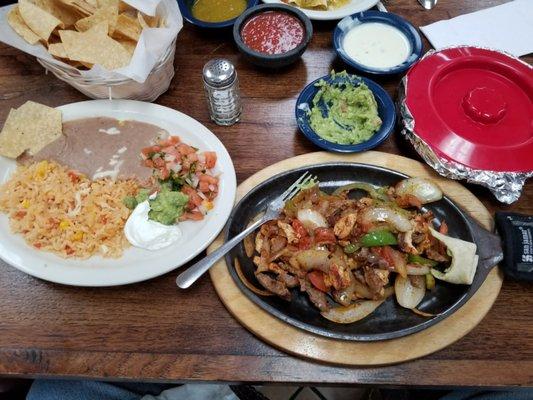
[378,238]
[416,259]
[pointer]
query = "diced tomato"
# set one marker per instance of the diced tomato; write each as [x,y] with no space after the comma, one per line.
[37,245]
[443,228]
[19,214]
[324,235]
[305,243]
[317,279]
[384,252]
[301,232]
[203,186]
[165,173]
[74,178]
[211,180]
[158,162]
[185,149]
[172,150]
[151,149]
[193,216]
[69,250]
[210,159]
[148,163]
[194,198]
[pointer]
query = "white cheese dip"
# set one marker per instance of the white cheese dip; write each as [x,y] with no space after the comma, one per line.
[377,45]
[147,234]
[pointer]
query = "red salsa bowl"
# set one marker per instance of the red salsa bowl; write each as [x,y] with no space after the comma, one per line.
[272,35]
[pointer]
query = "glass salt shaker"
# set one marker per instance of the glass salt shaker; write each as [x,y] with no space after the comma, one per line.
[222,91]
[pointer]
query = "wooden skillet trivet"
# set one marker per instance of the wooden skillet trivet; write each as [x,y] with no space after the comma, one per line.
[305,344]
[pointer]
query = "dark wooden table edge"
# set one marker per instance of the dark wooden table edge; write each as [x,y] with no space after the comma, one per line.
[171,368]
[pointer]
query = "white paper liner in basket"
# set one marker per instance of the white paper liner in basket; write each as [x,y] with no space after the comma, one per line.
[146,77]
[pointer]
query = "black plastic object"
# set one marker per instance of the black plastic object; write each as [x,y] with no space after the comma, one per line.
[516,231]
[389,320]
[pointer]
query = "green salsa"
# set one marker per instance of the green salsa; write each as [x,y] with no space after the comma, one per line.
[217,10]
[344,112]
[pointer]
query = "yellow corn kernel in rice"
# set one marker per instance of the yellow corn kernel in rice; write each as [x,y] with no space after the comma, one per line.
[41,170]
[25,203]
[78,236]
[208,205]
[64,224]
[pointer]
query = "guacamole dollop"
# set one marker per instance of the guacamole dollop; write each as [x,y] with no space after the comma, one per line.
[167,207]
[344,111]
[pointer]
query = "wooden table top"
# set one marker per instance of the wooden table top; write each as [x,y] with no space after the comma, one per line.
[153,331]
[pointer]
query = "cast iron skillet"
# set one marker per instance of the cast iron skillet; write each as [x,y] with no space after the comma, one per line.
[389,320]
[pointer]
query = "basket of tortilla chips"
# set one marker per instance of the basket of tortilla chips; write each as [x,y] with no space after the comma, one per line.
[104,48]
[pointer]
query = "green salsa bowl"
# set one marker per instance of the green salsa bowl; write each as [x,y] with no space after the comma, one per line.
[306,111]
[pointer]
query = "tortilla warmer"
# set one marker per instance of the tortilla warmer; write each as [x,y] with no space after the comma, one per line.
[468,111]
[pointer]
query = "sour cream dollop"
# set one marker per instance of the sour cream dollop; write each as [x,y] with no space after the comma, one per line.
[147,234]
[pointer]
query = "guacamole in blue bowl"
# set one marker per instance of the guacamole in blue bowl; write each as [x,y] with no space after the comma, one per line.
[345,113]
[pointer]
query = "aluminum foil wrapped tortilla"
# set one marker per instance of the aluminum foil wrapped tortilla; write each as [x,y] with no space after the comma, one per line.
[97,39]
[505,185]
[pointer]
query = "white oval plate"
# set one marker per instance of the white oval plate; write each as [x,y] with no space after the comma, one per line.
[136,264]
[354,6]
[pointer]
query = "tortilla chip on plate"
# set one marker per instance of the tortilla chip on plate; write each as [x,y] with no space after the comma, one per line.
[108,14]
[127,27]
[16,22]
[38,20]
[95,47]
[30,128]
[320,4]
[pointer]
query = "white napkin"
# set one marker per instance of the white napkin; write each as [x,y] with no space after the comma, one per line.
[508,27]
[151,47]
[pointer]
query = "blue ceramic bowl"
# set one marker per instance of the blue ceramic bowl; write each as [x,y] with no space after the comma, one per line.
[185,8]
[386,112]
[348,23]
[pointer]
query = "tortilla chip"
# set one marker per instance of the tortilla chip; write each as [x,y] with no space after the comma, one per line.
[38,20]
[127,27]
[147,21]
[29,128]
[125,7]
[108,14]
[57,50]
[16,22]
[95,47]
[65,14]
[129,45]
[108,3]
[82,6]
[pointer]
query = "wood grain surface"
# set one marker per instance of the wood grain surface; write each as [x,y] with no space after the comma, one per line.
[305,344]
[153,331]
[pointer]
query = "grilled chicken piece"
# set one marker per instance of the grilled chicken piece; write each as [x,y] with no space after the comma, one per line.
[376,279]
[344,226]
[274,286]
[287,279]
[289,232]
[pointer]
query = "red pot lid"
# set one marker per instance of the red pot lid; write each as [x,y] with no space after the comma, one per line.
[475,107]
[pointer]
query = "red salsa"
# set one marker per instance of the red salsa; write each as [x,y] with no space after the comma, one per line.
[272,32]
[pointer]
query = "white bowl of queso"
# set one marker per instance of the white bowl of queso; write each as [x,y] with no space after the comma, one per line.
[377,43]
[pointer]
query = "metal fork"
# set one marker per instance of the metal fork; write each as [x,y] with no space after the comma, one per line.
[188,277]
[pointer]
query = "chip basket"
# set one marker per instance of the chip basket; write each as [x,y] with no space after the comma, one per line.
[155,85]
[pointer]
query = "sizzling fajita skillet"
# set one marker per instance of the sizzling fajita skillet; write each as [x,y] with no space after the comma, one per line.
[389,320]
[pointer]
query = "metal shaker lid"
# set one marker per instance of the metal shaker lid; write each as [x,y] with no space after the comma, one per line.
[219,72]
